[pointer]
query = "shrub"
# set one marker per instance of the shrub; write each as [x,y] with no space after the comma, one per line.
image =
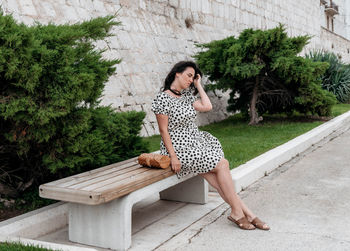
[52,77]
[336,78]
[264,73]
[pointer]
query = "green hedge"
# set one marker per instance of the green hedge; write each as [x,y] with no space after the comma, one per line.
[52,78]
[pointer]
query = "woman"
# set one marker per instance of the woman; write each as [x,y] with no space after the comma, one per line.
[191,150]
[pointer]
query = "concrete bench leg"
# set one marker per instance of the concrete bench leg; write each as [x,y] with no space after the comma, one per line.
[107,225]
[193,190]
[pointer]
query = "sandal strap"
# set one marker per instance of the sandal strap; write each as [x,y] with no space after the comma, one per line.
[259,223]
[242,223]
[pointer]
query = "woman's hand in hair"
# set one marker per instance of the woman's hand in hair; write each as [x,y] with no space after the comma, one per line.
[197,80]
[202,104]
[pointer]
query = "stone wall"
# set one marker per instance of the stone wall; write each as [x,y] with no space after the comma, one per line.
[157,33]
[335,43]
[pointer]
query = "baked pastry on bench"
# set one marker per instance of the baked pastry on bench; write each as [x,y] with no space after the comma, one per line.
[154,160]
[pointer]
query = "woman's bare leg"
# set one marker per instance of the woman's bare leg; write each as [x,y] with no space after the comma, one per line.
[212,180]
[224,181]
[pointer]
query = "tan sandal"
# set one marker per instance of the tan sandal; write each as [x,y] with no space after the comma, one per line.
[260,224]
[242,223]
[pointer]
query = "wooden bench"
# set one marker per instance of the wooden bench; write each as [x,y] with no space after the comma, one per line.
[101,200]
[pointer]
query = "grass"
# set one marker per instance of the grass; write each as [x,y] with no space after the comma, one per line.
[242,142]
[6,246]
[339,109]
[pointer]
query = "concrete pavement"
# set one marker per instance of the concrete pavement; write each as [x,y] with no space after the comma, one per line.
[306,202]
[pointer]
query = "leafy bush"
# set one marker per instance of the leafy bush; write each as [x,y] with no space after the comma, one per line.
[51,125]
[336,79]
[264,73]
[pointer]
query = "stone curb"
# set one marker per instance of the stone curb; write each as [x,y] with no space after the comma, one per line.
[53,217]
[36,223]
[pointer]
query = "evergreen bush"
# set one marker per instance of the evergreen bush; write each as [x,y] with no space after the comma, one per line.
[336,79]
[52,77]
[264,73]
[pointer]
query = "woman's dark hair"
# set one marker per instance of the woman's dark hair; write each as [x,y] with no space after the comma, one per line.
[180,67]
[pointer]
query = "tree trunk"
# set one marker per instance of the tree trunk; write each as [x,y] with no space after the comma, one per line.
[254,117]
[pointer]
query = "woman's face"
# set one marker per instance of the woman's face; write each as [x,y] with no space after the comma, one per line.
[186,77]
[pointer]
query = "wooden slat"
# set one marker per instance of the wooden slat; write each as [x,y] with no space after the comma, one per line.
[114,180]
[93,173]
[131,180]
[113,171]
[113,194]
[89,181]
[70,195]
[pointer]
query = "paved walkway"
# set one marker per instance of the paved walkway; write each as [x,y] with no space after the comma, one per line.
[306,203]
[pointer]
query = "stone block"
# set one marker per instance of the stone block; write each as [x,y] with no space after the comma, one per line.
[183,4]
[155,8]
[28,8]
[117,102]
[235,2]
[75,3]
[125,23]
[138,108]
[138,85]
[99,6]
[194,6]
[129,3]
[12,6]
[126,109]
[150,114]
[149,129]
[140,26]
[66,14]
[170,12]
[112,87]
[84,14]
[206,7]
[174,3]
[143,132]
[124,40]
[128,100]
[48,9]
[25,19]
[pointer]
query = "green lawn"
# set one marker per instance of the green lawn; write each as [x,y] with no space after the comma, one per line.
[19,247]
[242,142]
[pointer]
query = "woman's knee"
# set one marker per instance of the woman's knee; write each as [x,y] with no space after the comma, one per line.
[223,164]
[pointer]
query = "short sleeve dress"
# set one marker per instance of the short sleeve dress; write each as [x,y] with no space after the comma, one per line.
[198,151]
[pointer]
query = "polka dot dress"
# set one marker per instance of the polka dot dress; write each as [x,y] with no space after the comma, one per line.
[198,151]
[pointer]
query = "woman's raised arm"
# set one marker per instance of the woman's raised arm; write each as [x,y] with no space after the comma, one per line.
[203,104]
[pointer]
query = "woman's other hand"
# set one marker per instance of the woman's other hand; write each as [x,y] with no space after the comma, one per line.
[175,164]
[197,81]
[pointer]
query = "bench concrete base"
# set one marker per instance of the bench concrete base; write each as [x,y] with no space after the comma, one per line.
[109,225]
